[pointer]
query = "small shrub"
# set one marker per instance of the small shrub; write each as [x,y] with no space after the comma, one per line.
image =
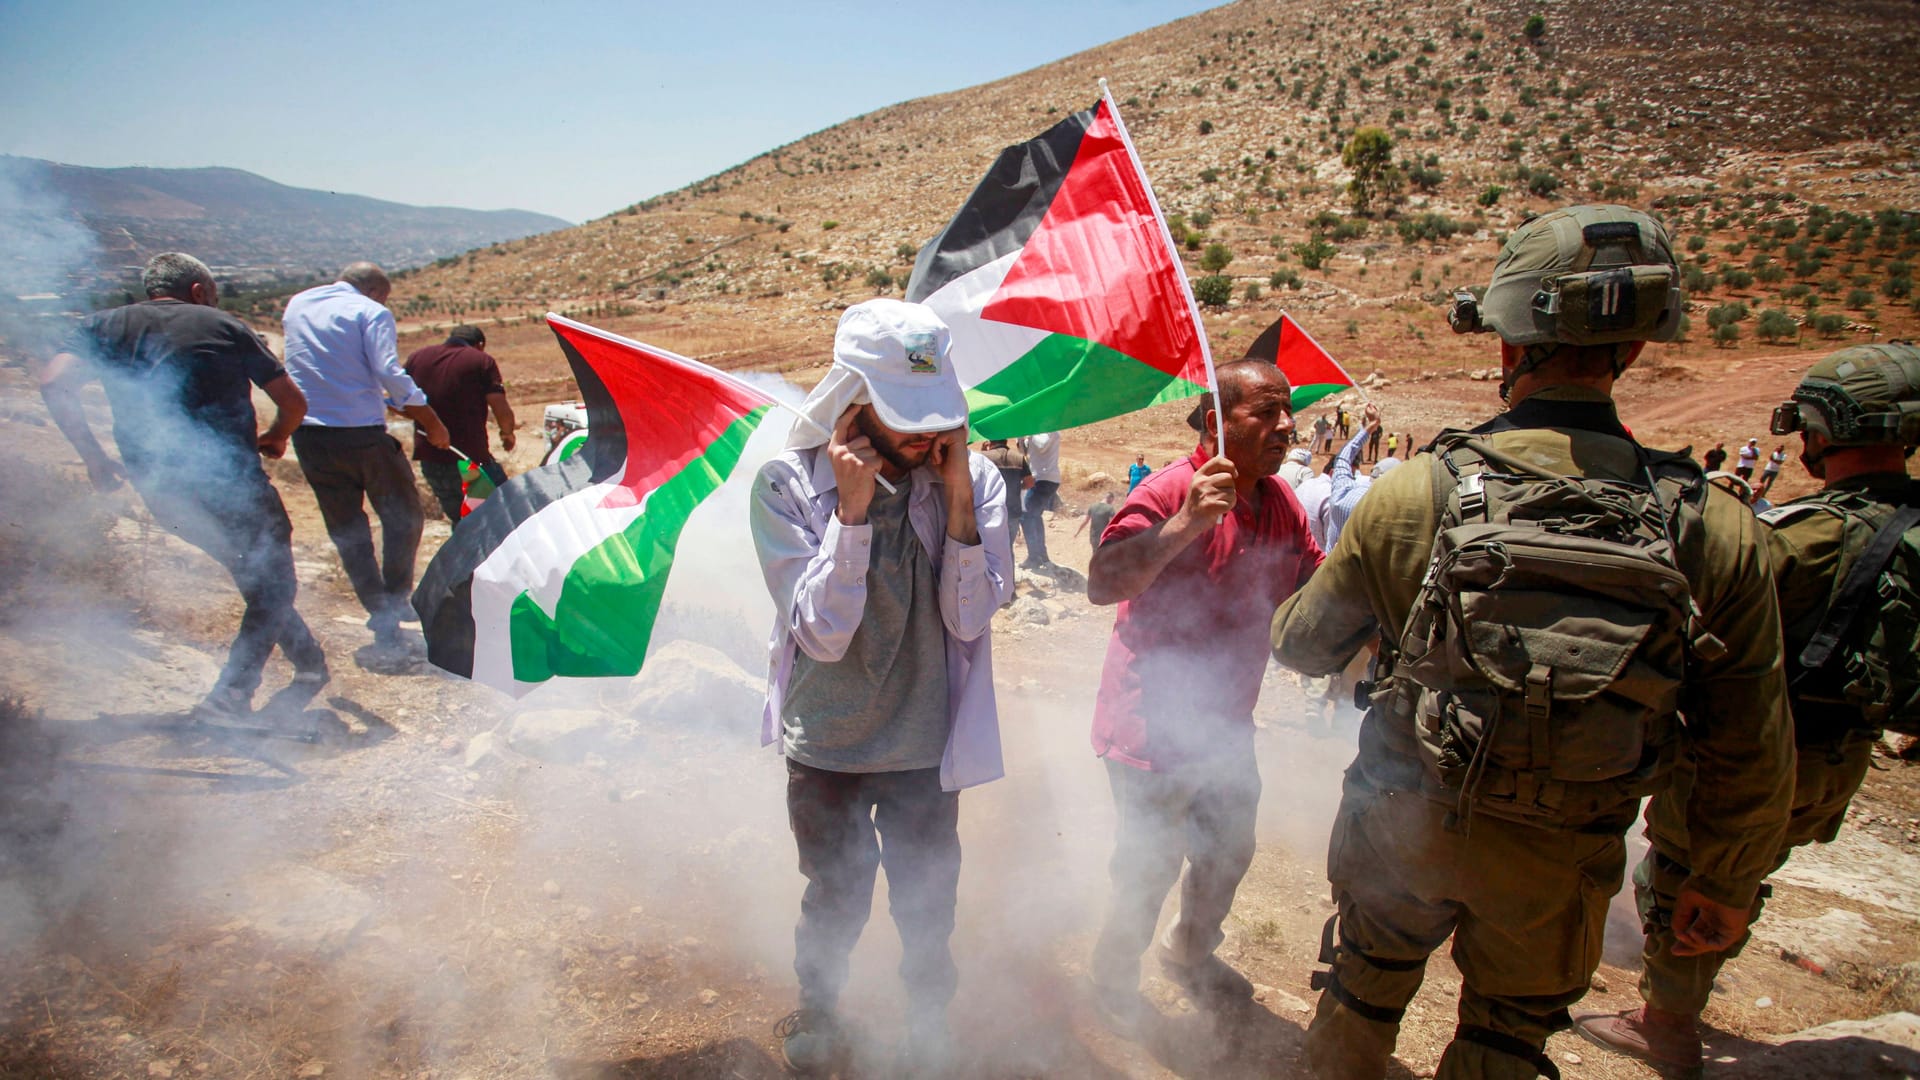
[1490,195]
[1725,335]
[1214,290]
[1775,326]
[1723,314]
[1859,299]
[1216,258]
[1251,292]
[1313,253]
[1829,326]
[1429,226]
[879,280]
[829,225]
[1287,278]
[1535,27]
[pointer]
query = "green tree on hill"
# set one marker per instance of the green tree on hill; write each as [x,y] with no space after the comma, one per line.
[1370,155]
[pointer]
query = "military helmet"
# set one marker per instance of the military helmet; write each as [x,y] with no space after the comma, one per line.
[1860,396]
[1582,275]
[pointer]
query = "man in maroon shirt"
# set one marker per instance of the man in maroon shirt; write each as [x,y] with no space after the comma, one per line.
[1199,557]
[463,384]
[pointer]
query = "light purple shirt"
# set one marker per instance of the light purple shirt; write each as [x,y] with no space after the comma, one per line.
[343,355]
[816,569]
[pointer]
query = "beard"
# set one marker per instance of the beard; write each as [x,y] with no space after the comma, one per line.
[886,442]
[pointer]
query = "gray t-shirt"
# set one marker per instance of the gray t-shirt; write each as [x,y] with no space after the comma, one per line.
[882,707]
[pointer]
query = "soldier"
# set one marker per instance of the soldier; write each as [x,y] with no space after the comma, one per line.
[1526,689]
[1855,438]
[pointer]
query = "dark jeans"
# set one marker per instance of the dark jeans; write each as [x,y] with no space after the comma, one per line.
[835,818]
[443,479]
[243,525]
[1199,814]
[348,467]
[1034,527]
[1373,445]
[1012,478]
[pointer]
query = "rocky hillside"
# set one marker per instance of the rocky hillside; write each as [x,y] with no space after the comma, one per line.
[1785,161]
[252,230]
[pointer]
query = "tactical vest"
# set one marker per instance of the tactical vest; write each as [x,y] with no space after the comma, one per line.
[1541,665]
[1860,665]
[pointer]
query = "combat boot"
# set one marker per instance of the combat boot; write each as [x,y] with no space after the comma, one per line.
[1668,1041]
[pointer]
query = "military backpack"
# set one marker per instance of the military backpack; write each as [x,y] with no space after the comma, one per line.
[1860,666]
[1543,659]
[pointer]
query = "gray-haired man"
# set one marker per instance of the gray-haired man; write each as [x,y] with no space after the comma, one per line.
[178,373]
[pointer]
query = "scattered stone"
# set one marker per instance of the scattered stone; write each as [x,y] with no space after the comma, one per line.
[312,1069]
[562,736]
[689,684]
[1029,611]
[709,998]
[301,907]
[1569,1057]
[1597,984]
[551,889]
[1763,1003]
[1099,479]
[484,749]
[1279,999]
[162,1068]
[1887,1045]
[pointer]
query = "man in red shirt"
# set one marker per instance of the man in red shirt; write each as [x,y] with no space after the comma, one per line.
[1199,557]
[463,384]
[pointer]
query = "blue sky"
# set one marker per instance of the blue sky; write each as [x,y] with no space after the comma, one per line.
[574,109]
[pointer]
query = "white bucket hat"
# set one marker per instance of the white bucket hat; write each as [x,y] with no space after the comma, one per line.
[894,355]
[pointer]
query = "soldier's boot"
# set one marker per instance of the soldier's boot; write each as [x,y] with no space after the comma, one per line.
[1344,1045]
[1668,1041]
[1478,1053]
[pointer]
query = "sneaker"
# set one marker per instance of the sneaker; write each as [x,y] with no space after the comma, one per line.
[1209,979]
[809,1041]
[929,1050]
[225,704]
[1121,1008]
[1668,1041]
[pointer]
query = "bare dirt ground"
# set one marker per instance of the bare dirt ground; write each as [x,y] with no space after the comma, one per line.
[429,881]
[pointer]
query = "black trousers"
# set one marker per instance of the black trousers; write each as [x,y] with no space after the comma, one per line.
[241,522]
[347,468]
[846,826]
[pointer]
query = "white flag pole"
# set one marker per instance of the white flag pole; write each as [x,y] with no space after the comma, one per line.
[1173,252]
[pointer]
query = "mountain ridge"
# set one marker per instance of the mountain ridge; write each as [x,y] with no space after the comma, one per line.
[253,229]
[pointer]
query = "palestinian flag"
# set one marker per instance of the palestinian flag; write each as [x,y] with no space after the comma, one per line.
[1063,288]
[1309,369]
[475,486]
[560,573]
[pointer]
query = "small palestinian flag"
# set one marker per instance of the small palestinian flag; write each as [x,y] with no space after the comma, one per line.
[475,486]
[1309,369]
[560,573]
[1063,288]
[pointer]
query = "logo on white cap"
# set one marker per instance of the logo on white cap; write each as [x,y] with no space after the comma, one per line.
[923,352]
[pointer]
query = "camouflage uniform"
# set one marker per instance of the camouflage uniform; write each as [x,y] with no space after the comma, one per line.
[1810,544]
[1525,904]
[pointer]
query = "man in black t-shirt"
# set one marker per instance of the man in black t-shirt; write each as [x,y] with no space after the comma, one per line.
[463,384]
[179,373]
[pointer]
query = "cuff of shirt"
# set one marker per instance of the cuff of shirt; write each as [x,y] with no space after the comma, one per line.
[969,561]
[852,545]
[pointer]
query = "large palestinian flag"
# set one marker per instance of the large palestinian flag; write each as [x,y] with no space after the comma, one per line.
[560,572]
[1062,286]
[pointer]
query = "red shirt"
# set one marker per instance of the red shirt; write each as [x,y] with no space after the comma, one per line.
[1187,655]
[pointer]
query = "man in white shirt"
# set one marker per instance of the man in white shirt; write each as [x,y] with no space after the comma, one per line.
[342,354]
[1043,462]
